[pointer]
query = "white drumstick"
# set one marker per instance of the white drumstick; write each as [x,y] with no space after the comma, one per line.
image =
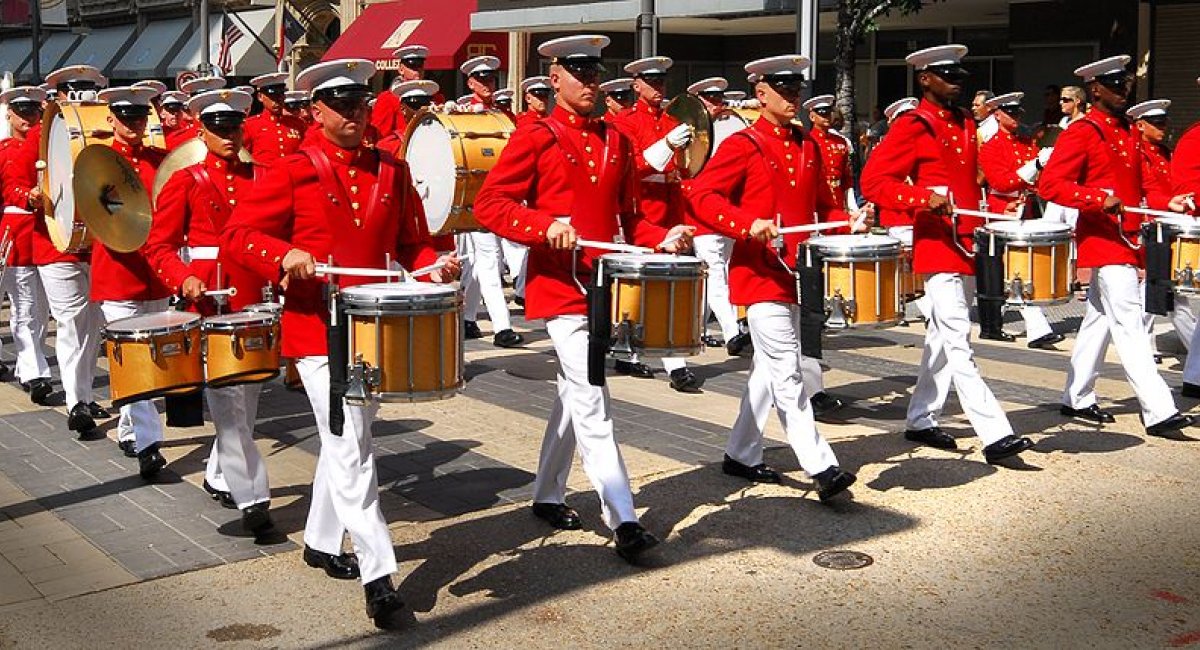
[426,270]
[607,246]
[987,215]
[670,240]
[325,269]
[1156,213]
[231,291]
[813,227]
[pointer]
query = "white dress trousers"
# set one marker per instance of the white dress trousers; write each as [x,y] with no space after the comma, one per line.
[947,359]
[481,279]
[139,421]
[715,250]
[1115,311]
[345,492]
[77,333]
[582,416]
[775,380]
[27,319]
[515,256]
[234,410]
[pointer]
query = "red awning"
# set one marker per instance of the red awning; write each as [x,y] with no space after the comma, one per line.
[444,26]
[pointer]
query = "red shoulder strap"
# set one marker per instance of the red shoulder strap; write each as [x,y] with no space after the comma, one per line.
[205,183]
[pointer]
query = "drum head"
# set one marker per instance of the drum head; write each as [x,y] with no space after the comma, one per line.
[725,125]
[264,308]
[903,234]
[59,175]
[160,323]
[240,318]
[1020,228]
[652,264]
[430,156]
[855,246]
[415,295]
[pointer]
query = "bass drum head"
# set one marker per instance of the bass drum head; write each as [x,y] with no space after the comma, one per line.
[430,155]
[725,125]
[60,166]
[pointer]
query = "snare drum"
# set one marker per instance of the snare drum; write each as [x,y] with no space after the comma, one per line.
[1185,251]
[449,156]
[912,285]
[408,336]
[67,128]
[240,348]
[152,355]
[862,279]
[291,376]
[657,303]
[1037,259]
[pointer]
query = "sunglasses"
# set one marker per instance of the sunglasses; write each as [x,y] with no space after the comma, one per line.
[346,105]
[586,73]
[653,78]
[413,63]
[1119,83]
[621,95]
[791,85]
[825,111]
[540,93]
[1012,111]
[713,94]
[25,109]
[483,76]
[273,91]
[224,130]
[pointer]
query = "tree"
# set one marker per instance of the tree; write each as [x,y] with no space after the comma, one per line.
[856,19]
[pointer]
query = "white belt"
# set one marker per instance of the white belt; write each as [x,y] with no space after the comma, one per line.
[190,254]
[12,209]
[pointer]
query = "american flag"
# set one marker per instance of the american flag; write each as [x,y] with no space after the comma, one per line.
[230,34]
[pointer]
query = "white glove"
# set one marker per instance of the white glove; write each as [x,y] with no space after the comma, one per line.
[1029,171]
[659,154]
[679,137]
[1044,155]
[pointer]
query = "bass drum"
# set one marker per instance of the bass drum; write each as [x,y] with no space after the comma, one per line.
[449,156]
[725,124]
[67,128]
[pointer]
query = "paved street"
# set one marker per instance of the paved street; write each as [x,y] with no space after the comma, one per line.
[1088,543]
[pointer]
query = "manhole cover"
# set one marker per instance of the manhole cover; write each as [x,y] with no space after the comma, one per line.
[842,560]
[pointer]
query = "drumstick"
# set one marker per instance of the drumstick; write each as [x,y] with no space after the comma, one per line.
[231,291]
[1156,213]
[670,240]
[987,215]
[326,269]
[606,246]
[813,227]
[426,270]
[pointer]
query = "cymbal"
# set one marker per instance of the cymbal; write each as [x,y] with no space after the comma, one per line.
[185,155]
[111,199]
[688,109]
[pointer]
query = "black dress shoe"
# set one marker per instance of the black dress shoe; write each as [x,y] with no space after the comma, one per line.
[712,341]
[685,381]
[128,447]
[1158,359]
[383,604]
[220,496]
[78,419]
[507,339]
[97,411]
[519,301]
[998,335]
[1170,427]
[633,369]
[3,371]
[342,567]
[823,404]
[740,345]
[559,515]
[471,330]
[1046,342]
[39,390]
[832,482]
[1092,413]
[633,540]
[932,437]
[1006,447]
[256,520]
[1190,390]
[759,473]
[150,462]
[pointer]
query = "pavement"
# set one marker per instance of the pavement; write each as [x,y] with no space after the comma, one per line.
[1089,542]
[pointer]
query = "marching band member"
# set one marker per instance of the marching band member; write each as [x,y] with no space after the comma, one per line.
[385,111]
[481,273]
[658,136]
[535,92]
[889,218]
[189,127]
[310,206]
[191,211]
[1096,169]
[66,277]
[172,114]
[927,158]
[271,135]
[502,101]
[715,248]
[618,97]
[123,283]
[551,185]
[733,97]
[27,301]
[1011,164]
[747,191]
[413,96]
[1185,178]
[296,106]
[156,101]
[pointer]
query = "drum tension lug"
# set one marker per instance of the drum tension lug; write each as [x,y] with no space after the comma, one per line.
[1018,290]
[839,311]
[187,343]
[1185,276]
[233,342]
[359,376]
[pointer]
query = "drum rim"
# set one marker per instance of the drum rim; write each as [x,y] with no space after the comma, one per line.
[255,319]
[1042,238]
[1188,228]
[442,299]
[144,334]
[632,266]
[840,252]
[263,308]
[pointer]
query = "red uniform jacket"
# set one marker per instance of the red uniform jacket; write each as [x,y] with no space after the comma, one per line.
[1156,167]
[745,180]
[193,209]
[835,160]
[385,112]
[19,224]
[1097,153]
[269,138]
[19,177]
[526,117]
[181,134]
[128,276]
[588,176]
[935,147]
[1185,162]
[660,195]
[351,218]
[1000,158]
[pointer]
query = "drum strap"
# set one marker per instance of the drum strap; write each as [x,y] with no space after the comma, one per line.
[220,204]
[1116,164]
[337,193]
[571,150]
